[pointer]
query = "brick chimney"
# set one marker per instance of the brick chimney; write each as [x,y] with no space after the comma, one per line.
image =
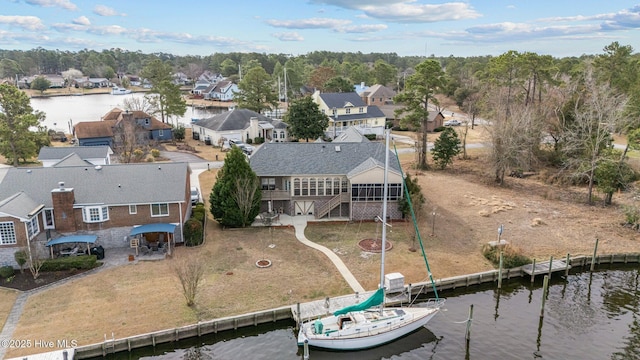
[63,200]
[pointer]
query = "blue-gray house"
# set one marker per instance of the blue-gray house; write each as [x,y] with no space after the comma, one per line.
[117,123]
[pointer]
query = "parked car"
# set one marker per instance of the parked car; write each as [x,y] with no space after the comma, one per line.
[195,195]
[453,122]
[247,149]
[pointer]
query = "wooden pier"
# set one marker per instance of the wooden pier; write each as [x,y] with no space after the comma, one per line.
[546,267]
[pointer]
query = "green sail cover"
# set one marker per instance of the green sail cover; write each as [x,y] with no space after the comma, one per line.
[376,299]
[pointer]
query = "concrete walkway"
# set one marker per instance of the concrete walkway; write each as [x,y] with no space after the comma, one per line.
[300,223]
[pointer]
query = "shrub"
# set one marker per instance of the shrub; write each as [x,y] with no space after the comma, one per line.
[70,262]
[511,256]
[370,136]
[6,272]
[21,258]
[439,129]
[193,233]
[258,140]
[155,153]
[249,141]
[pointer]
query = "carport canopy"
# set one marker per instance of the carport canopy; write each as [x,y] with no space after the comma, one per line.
[89,239]
[150,228]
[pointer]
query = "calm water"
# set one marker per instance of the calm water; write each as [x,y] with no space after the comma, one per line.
[587,316]
[65,111]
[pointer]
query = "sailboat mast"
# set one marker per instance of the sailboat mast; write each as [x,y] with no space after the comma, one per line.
[385,193]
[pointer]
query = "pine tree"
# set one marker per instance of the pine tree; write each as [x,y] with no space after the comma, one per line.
[235,197]
[445,148]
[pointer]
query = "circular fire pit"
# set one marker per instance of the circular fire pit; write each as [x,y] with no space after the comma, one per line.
[374,245]
[264,263]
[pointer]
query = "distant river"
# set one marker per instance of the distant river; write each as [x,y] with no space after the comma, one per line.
[65,111]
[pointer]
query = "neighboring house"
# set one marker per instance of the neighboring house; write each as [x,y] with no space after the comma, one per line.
[435,120]
[378,95]
[210,77]
[107,201]
[360,88]
[91,155]
[180,78]
[240,124]
[56,81]
[92,83]
[134,80]
[340,180]
[348,109]
[221,91]
[199,87]
[115,123]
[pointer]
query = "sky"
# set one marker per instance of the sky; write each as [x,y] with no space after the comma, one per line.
[406,27]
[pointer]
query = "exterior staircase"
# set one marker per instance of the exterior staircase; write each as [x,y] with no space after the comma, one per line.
[326,208]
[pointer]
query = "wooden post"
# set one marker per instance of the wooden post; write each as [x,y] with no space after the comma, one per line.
[500,271]
[299,319]
[533,272]
[566,269]
[593,259]
[550,265]
[545,287]
[467,334]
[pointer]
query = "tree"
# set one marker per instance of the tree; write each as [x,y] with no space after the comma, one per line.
[235,197]
[320,76]
[167,99]
[71,75]
[256,91]
[445,148]
[612,175]
[338,84]
[414,190]
[40,83]
[383,73]
[420,89]
[178,133]
[305,119]
[189,271]
[16,117]
[598,112]
[9,69]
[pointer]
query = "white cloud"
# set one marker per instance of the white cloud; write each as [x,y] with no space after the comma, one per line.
[82,20]
[359,29]
[288,36]
[312,23]
[107,30]
[31,23]
[65,4]
[106,11]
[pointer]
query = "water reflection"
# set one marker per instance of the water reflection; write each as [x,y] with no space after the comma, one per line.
[587,316]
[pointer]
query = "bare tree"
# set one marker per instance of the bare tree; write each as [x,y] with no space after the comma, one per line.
[190,273]
[34,261]
[244,195]
[598,112]
[139,104]
[129,138]
[71,75]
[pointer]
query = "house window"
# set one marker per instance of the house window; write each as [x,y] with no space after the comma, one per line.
[7,233]
[33,228]
[296,187]
[94,214]
[320,187]
[160,209]
[146,121]
[361,110]
[305,187]
[47,219]
[133,209]
[312,187]
[336,186]
[374,192]
[282,135]
[348,110]
[268,183]
[161,133]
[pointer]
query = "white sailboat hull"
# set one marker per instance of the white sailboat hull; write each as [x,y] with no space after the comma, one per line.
[365,332]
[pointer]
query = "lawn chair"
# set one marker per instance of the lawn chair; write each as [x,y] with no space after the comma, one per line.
[144,250]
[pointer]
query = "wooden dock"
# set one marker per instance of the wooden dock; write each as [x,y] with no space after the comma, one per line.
[543,267]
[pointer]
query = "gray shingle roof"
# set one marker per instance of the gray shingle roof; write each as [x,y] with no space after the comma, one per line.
[18,205]
[111,184]
[288,159]
[85,152]
[236,119]
[339,100]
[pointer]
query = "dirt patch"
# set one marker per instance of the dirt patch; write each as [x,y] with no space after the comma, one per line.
[25,281]
[374,245]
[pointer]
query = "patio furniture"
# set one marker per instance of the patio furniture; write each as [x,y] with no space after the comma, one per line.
[69,252]
[144,250]
[154,246]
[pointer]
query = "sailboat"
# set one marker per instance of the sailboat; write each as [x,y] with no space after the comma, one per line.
[370,323]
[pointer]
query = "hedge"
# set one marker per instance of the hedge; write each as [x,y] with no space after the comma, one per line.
[6,271]
[70,262]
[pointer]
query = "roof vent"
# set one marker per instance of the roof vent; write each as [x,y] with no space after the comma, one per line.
[61,185]
[29,171]
[337,148]
[98,167]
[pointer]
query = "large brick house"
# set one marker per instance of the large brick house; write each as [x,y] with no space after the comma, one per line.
[37,204]
[341,180]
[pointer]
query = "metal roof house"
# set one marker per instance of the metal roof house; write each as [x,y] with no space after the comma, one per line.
[341,180]
[107,201]
[240,124]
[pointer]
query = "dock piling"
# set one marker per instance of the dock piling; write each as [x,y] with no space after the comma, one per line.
[593,258]
[545,288]
[467,335]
